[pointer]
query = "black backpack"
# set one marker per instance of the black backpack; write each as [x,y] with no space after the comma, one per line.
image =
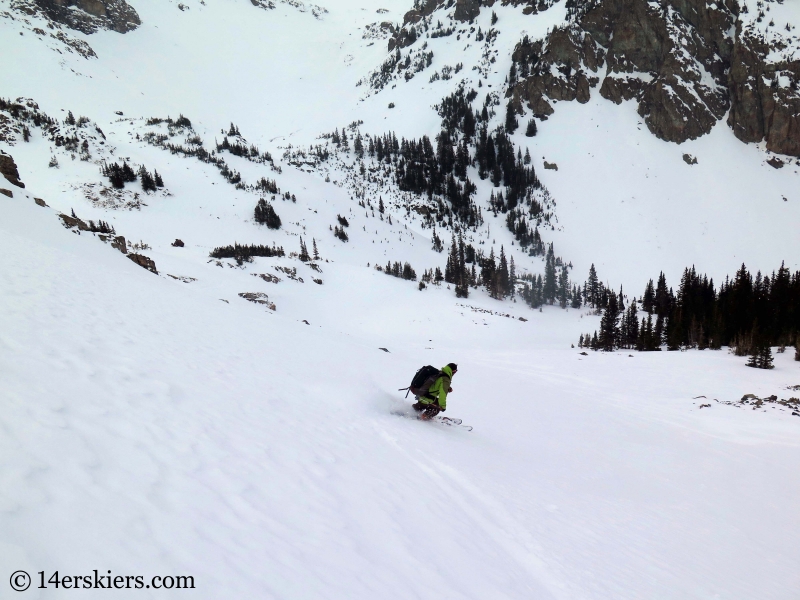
[423,380]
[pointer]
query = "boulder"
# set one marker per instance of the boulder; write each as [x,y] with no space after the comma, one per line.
[40,202]
[178,243]
[775,163]
[6,192]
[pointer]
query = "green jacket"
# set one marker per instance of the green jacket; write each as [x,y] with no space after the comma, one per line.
[438,391]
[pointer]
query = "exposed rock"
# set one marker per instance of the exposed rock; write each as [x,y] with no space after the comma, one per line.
[406,35]
[618,89]
[143,261]
[258,298]
[119,244]
[6,192]
[268,277]
[71,222]
[8,168]
[672,62]
[182,278]
[676,112]
[466,10]
[765,102]
[567,81]
[775,163]
[550,166]
[177,243]
[40,202]
[87,16]
[689,159]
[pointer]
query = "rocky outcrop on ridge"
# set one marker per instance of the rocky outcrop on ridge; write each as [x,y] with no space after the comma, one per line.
[86,16]
[686,63]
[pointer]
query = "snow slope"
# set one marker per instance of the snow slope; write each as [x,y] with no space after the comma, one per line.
[284,76]
[157,426]
[152,429]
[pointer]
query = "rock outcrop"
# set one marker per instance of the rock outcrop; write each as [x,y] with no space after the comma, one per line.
[685,63]
[672,62]
[86,16]
[765,103]
[144,262]
[8,169]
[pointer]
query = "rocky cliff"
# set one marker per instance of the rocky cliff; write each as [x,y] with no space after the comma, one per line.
[86,16]
[686,63]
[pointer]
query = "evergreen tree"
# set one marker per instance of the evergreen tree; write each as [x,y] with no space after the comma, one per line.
[593,287]
[754,359]
[663,298]
[304,256]
[127,172]
[765,358]
[531,130]
[358,146]
[488,274]
[316,252]
[451,267]
[147,181]
[462,276]
[609,327]
[631,327]
[512,277]
[576,297]
[563,287]
[550,283]
[649,298]
[502,275]
[159,182]
[511,118]
[265,214]
[70,120]
[652,341]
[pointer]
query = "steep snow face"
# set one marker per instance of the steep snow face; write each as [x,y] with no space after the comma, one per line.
[153,429]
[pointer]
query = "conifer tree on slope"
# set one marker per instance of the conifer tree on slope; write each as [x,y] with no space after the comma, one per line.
[550,276]
[592,287]
[609,327]
[563,287]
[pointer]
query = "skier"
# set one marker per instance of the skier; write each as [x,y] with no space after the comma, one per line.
[434,401]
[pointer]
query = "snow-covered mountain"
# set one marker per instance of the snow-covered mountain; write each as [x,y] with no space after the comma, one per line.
[232,413]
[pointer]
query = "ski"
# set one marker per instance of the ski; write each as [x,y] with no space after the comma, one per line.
[454,422]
